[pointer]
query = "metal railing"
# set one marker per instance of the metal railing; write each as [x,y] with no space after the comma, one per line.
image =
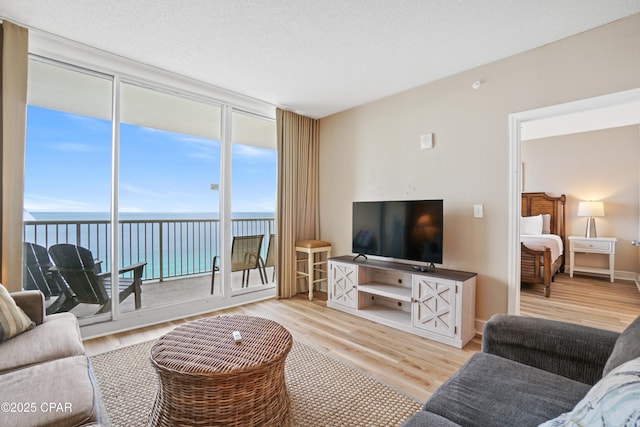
[171,247]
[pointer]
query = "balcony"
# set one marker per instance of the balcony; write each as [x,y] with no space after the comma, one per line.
[178,253]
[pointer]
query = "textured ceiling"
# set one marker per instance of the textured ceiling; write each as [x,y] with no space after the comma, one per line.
[316,57]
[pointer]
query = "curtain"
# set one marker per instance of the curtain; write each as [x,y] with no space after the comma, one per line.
[298,192]
[13,91]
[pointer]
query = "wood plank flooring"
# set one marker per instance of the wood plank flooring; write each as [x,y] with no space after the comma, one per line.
[411,364]
[585,300]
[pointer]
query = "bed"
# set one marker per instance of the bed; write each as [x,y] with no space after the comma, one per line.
[542,254]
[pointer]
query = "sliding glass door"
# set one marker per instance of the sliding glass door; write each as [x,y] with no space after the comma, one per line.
[67,187]
[174,191]
[168,194]
[253,197]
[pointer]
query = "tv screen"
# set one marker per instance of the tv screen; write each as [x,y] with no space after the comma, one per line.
[406,230]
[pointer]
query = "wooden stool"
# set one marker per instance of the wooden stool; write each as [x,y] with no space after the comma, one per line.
[311,248]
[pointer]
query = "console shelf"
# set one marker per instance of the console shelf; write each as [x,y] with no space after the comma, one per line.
[385,290]
[438,304]
[381,314]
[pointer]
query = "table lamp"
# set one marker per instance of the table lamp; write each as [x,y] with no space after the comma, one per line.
[591,210]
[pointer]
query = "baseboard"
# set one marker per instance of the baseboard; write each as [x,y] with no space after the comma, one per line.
[480,326]
[626,275]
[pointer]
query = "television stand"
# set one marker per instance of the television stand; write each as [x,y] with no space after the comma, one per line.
[438,304]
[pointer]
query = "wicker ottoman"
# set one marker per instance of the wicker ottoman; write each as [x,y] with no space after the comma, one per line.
[206,378]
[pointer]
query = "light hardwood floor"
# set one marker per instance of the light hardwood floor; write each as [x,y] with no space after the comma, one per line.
[411,364]
[586,300]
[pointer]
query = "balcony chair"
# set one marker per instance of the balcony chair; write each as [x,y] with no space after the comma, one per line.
[270,261]
[89,285]
[37,275]
[245,256]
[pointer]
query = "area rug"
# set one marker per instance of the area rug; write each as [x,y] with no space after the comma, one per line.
[323,391]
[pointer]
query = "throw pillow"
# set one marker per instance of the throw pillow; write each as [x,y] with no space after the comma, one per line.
[546,224]
[13,321]
[627,347]
[531,224]
[613,401]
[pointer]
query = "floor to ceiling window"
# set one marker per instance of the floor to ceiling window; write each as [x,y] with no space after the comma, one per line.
[253,197]
[191,180]
[168,198]
[68,186]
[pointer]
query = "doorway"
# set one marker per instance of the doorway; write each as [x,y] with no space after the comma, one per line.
[578,116]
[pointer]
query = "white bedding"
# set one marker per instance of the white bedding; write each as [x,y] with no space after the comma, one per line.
[538,242]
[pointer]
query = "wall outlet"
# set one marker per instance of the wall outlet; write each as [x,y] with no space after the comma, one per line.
[478,211]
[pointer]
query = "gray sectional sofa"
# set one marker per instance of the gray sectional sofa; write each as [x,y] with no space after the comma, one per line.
[531,371]
[45,375]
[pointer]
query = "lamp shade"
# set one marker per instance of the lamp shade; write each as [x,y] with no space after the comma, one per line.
[590,209]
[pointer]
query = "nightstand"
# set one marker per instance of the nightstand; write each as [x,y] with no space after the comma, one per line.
[593,245]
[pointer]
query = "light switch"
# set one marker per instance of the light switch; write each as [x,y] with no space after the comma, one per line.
[426,141]
[478,211]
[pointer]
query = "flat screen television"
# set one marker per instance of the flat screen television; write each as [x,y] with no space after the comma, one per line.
[409,230]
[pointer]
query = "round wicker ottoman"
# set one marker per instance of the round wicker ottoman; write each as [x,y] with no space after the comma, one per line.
[207,378]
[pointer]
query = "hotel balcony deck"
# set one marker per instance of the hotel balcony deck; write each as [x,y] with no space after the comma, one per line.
[178,253]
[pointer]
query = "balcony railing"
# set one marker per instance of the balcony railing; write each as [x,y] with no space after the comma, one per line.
[171,247]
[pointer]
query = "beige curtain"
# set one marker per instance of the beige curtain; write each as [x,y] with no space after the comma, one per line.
[13,90]
[298,192]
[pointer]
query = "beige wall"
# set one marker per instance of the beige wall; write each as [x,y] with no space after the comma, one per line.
[600,165]
[372,152]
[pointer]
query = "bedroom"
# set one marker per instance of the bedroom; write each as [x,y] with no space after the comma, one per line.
[609,173]
[596,161]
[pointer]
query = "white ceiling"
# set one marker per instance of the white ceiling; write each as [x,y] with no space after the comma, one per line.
[315,57]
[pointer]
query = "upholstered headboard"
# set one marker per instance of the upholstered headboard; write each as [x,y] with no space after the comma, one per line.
[541,203]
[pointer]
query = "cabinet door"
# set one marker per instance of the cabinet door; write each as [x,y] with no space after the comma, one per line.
[343,284]
[434,305]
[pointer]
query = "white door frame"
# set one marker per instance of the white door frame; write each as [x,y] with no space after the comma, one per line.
[515,123]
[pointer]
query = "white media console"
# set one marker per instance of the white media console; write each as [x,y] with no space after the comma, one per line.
[439,304]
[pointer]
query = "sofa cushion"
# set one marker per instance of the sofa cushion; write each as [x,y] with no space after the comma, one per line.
[574,351]
[428,419]
[489,390]
[627,347]
[613,401]
[56,393]
[13,321]
[57,337]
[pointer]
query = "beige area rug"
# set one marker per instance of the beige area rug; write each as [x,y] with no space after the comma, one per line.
[323,390]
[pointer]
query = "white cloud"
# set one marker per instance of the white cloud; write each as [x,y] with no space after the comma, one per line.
[202,148]
[47,204]
[251,151]
[141,191]
[90,122]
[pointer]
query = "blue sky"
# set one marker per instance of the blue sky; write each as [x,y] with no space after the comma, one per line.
[68,168]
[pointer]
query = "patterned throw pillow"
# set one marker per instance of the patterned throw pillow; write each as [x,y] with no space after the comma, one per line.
[13,321]
[613,401]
